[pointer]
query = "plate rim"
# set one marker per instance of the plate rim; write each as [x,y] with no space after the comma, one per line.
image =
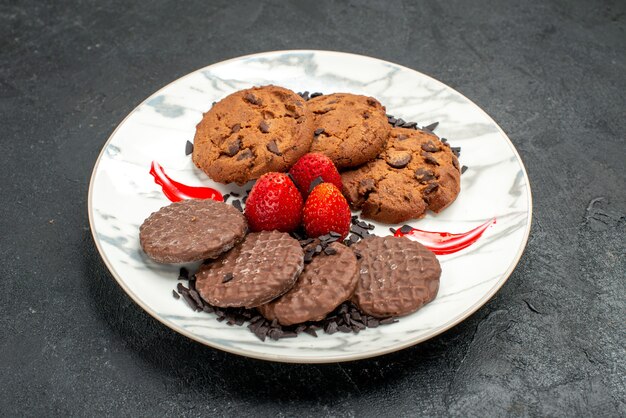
[312,360]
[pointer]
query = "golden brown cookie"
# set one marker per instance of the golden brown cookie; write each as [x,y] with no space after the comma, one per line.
[350,129]
[252,132]
[415,172]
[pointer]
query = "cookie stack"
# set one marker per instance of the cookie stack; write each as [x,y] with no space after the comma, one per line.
[391,173]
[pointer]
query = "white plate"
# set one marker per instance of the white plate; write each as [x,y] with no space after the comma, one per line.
[122,194]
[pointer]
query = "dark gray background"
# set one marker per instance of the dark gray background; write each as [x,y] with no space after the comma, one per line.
[551,342]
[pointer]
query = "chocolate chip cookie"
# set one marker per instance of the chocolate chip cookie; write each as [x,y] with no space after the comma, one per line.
[397,276]
[415,172]
[328,280]
[350,129]
[264,266]
[252,132]
[191,230]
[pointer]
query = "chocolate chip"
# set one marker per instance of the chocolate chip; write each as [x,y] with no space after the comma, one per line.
[318,131]
[304,95]
[430,147]
[456,151]
[227,277]
[236,128]
[431,127]
[226,197]
[188,148]
[311,331]
[444,140]
[406,229]
[237,204]
[400,122]
[245,154]
[398,159]
[372,102]
[316,94]
[330,251]
[354,237]
[235,194]
[366,115]
[316,181]
[335,234]
[264,127]
[318,249]
[391,120]
[393,230]
[430,188]
[389,320]
[428,157]
[252,99]
[424,176]
[175,294]
[233,147]
[409,125]
[464,169]
[213,104]
[273,148]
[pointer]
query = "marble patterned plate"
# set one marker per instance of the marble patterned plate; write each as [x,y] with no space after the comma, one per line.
[122,194]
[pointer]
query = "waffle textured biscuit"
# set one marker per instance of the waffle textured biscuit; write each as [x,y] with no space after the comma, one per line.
[327,281]
[191,230]
[264,266]
[397,276]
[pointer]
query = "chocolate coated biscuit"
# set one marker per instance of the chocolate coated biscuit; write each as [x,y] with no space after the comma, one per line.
[264,266]
[397,276]
[326,282]
[252,132]
[415,172]
[191,230]
[350,129]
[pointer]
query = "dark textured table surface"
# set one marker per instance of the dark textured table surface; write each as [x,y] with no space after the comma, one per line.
[551,342]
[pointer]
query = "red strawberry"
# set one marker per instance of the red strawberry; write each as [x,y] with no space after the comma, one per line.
[326,210]
[313,165]
[274,203]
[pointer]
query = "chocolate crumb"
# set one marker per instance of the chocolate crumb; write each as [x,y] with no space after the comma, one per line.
[393,230]
[235,194]
[175,294]
[188,148]
[406,229]
[226,197]
[316,181]
[464,169]
[237,204]
[389,320]
[227,277]
[183,274]
[431,127]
